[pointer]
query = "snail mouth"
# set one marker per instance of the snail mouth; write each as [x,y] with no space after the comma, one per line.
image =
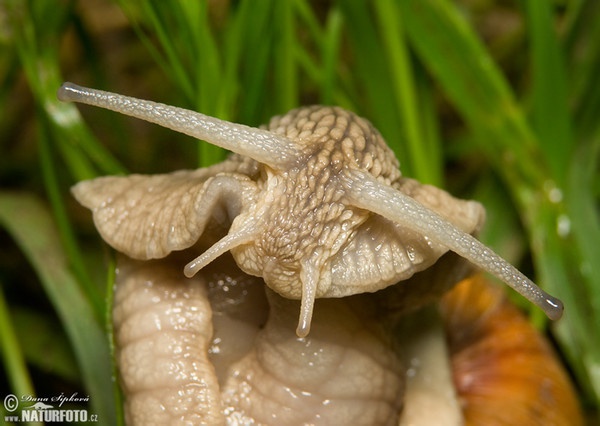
[299,282]
[281,277]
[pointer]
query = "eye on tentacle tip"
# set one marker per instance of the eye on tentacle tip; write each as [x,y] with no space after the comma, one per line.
[367,193]
[553,307]
[68,92]
[550,305]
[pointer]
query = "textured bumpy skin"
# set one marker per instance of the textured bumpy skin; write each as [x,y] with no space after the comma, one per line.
[295,228]
[299,219]
[148,217]
[315,205]
[215,350]
[323,183]
[163,329]
[342,373]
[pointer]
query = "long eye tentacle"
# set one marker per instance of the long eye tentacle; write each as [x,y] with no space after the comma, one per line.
[364,191]
[263,146]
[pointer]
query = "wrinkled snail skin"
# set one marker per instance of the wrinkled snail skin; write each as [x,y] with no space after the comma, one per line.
[163,329]
[148,217]
[326,179]
[181,360]
[217,350]
[314,208]
[342,373]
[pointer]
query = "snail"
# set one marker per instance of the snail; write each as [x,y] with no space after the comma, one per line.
[314,206]
[304,199]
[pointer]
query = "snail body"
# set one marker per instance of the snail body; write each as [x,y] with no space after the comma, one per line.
[313,214]
[324,183]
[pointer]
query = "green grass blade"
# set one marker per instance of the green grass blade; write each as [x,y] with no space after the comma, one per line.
[371,77]
[255,36]
[577,329]
[330,54]
[451,51]
[188,55]
[432,139]
[404,88]
[44,344]
[310,21]
[173,63]
[39,59]
[583,45]
[63,222]
[108,325]
[550,113]
[285,75]
[12,355]
[209,79]
[584,220]
[29,223]
[502,229]
[136,17]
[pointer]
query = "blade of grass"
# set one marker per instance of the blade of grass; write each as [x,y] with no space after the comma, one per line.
[550,113]
[29,223]
[206,68]
[9,75]
[574,24]
[285,73]
[584,219]
[309,21]
[577,329]
[39,58]
[63,222]
[12,355]
[85,156]
[404,89]
[209,78]
[502,229]
[256,38]
[136,18]
[452,52]
[188,55]
[172,60]
[330,53]
[584,69]
[232,48]
[371,76]
[44,344]
[430,126]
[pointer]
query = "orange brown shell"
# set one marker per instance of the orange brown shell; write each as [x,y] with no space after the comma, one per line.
[505,371]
